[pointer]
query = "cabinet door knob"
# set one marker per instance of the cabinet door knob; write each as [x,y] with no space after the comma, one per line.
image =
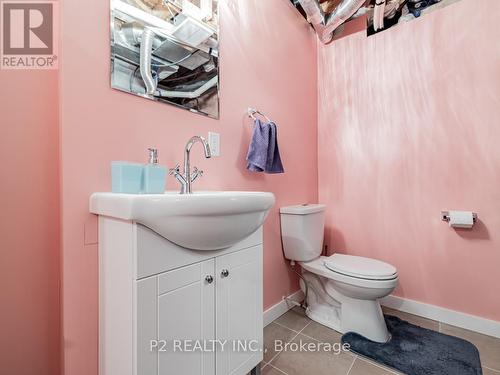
[209,279]
[224,273]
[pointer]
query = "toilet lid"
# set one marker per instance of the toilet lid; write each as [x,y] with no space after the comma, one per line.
[360,267]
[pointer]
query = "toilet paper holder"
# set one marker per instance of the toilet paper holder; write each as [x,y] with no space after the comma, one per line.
[445,216]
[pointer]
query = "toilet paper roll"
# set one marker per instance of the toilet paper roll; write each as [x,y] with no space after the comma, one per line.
[461,219]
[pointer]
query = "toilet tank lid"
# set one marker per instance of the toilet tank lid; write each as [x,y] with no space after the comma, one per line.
[302,209]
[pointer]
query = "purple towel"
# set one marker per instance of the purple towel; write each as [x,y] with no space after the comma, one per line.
[263,152]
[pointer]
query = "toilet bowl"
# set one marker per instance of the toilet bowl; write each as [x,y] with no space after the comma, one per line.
[342,290]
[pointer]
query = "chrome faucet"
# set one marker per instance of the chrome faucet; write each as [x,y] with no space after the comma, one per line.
[187,178]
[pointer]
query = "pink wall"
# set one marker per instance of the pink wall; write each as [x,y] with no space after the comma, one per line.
[29,223]
[408,125]
[268,61]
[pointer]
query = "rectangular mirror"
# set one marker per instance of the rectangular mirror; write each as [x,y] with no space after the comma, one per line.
[167,51]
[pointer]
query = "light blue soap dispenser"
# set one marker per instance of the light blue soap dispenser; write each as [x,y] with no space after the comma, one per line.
[154,175]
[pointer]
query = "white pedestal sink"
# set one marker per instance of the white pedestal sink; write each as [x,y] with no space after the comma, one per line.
[199,221]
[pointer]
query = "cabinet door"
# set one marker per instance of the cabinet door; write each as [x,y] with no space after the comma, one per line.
[239,311]
[181,310]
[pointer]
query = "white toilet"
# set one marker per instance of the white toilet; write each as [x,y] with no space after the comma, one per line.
[342,290]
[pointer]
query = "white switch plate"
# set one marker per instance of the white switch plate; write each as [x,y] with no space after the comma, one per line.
[214,142]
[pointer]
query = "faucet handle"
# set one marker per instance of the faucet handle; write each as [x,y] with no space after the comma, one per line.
[175,170]
[196,173]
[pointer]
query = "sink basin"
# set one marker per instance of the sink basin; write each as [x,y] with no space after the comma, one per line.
[199,221]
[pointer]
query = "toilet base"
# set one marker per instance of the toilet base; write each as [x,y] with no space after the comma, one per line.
[329,307]
[364,317]
[319,315]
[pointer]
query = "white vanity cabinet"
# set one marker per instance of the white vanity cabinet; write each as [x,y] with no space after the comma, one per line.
[168,310]
[239,318]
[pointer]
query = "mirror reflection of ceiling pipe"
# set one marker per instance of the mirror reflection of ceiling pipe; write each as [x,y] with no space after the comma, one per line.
[325,24]
[191,94]
[150,83]
[145,60]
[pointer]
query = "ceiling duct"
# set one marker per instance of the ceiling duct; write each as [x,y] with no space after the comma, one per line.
[326,24]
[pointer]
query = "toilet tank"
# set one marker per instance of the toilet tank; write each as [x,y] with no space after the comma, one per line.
[302,231]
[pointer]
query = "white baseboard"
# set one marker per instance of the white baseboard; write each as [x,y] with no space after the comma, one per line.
[451,317]
[274,312]
[440,314]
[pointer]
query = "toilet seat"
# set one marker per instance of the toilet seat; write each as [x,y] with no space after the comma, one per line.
[360,267]
[318,267]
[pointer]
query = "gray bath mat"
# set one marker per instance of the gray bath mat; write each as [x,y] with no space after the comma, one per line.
[418,351]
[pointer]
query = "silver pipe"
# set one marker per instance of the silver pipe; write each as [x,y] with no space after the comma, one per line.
[145,60]
[306,287]
[342,13]
[325,25]
[314,12]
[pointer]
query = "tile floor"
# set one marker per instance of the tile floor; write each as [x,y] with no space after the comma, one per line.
[295,326]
